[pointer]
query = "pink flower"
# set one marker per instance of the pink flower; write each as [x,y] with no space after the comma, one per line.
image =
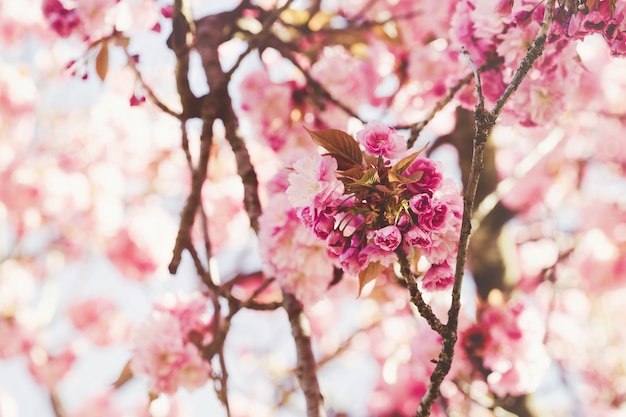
[48,370]
[163,352]
[353,260]
[434,218]
[15,338]
[388,238]
[314,184]
[99,320]
[420,203]
[380,139]
[504,7]
[346,77]
[292,252]
[417,237]
[191,311]
[130,257]
[336,242]
[63,21]
[438,277]
[323,225]
[509,342]
[431,177]
[165,345]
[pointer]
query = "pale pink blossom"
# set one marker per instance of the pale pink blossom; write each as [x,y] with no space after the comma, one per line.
[167,344]
[292,252]
[430,176]
[510,344]
[49,369]
[133,260]
[349,79]
[438,277]
[314,183]
[191,311]
[14,338]
[380,139]
[99,320]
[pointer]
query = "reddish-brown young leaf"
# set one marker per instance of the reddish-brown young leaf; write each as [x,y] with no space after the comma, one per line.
[369,273]
[354,173]
[416,176]
[405,162]
[102,62]
[343,147]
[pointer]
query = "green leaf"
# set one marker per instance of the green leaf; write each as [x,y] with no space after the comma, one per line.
[343,147]
[370,177]
[368,274]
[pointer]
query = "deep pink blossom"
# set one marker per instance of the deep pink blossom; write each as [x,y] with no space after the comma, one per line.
[388,238]
[63,21]
[430,179]
[434,218]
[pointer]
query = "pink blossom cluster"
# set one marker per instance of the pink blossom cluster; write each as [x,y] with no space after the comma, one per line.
[280,103]
[507,343]
[168,346]
[291,252]
[367,203]
[604,17]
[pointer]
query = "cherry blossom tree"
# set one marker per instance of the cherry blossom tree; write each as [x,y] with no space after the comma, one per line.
[312,207]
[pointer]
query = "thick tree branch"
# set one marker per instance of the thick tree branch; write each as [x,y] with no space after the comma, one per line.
[183,239]
[307,368]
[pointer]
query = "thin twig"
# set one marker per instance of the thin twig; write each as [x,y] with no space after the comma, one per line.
[131,59]
[223,382]
[57,406]
[416,295]
[320,89]
[183,239]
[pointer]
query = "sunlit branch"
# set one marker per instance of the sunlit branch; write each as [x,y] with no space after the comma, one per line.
[484,122]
